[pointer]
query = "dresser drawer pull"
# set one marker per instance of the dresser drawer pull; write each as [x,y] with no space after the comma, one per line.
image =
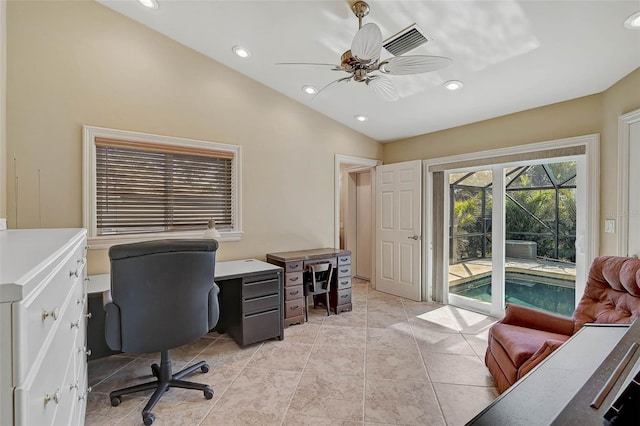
[53,313]
[344,296]
[80,301]
[294,279]
[344,270]
[73,274]
[75,324]
[344,259]
[88,315]
[295,266]
[293,308]
[55,397]
[86,351]
[294,292]
[81,397]
[73,386]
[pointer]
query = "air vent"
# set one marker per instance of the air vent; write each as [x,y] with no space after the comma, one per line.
[406,40]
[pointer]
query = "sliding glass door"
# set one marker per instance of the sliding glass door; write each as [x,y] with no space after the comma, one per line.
[511,236]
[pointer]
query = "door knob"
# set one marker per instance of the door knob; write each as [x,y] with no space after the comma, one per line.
[415,237]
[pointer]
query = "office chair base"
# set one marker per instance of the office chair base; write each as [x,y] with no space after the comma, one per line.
[165,380]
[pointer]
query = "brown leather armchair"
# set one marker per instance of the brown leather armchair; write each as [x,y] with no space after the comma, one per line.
[526,336]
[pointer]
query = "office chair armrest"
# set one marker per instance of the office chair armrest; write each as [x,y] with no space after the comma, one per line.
[214,306]
[111,322]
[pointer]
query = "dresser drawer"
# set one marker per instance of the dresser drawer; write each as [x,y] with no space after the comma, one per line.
[260,288]
[293,266]
[344,259]
[293,278]
[293,308]
[36,317]
[261,303]
[292,293]
[343,282]
[48,382]
[344,271]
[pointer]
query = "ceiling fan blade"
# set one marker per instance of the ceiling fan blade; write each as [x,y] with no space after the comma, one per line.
[383,88]
[415,64]
[311,65]
[367,43]
[335,83]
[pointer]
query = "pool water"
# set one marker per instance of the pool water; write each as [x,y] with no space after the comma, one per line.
[550,294]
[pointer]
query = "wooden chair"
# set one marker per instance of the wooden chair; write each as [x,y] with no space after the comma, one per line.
[317,282]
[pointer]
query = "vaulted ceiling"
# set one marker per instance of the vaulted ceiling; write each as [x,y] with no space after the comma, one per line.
[511,55]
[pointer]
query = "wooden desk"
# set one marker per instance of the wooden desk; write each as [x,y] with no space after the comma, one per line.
[295,265]
[546,395]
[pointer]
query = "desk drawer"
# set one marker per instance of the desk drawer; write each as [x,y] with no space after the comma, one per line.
[344,271]
[260,288]
[344,282]
[294,308]
[293,278]
[294,292]
[344,260]
[293,266]
[343,296]
[261,326]
[260,303]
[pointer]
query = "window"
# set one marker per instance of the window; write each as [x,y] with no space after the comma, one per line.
[140,186]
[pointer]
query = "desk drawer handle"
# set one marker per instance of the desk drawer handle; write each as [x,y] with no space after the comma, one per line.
[344,270]
[53,313]
[344,259]
[295,266]
[294,307]
[293,293]
[294,279]
[344,296]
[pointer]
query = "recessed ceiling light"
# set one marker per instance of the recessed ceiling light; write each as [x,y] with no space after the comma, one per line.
[453,85]
[633,21]
[151,4]
[361,117]
[241,51]
[309,90]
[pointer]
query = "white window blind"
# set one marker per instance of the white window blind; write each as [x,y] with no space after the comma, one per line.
[146,188]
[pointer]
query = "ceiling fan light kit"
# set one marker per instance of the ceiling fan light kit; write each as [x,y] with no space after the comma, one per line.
[363,62]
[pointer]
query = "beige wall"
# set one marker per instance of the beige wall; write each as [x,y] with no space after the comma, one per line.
[591,114]
[3,104]
[75,63]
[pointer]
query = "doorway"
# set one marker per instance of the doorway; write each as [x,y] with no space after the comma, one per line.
[355,213]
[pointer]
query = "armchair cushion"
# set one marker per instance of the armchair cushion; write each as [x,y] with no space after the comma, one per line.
[522,343]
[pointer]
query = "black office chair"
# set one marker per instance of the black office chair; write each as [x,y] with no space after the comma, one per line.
[317,282]
[162,297]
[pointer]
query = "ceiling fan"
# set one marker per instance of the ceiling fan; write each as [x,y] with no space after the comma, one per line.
[363,62]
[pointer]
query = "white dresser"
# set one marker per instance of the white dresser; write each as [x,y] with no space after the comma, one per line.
[43,359]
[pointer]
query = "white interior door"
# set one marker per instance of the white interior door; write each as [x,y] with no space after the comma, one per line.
[398,229]
[633,237]
[363,225]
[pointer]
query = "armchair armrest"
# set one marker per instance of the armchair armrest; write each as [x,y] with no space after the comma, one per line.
[539,320]
[111,322]
[545,350]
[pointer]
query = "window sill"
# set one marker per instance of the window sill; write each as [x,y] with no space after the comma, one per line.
[97,243]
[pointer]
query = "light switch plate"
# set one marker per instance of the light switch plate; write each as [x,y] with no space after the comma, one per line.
[609,226]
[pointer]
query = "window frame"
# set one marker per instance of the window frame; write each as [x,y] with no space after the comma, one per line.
[89,209]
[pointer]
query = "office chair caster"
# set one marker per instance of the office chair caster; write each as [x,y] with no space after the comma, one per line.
[155,370]
[148,419]
[205,368]
[208,393]
[115,401]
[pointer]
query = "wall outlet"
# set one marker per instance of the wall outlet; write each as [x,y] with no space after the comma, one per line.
[3,223]
[609,226]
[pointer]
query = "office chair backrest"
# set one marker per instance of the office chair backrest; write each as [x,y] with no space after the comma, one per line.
[163,290]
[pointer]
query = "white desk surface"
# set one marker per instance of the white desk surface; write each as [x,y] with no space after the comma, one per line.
[102,282]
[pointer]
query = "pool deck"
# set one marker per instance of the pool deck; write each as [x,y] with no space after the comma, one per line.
[476,268]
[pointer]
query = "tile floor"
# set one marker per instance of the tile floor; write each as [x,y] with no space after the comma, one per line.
[389,362]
